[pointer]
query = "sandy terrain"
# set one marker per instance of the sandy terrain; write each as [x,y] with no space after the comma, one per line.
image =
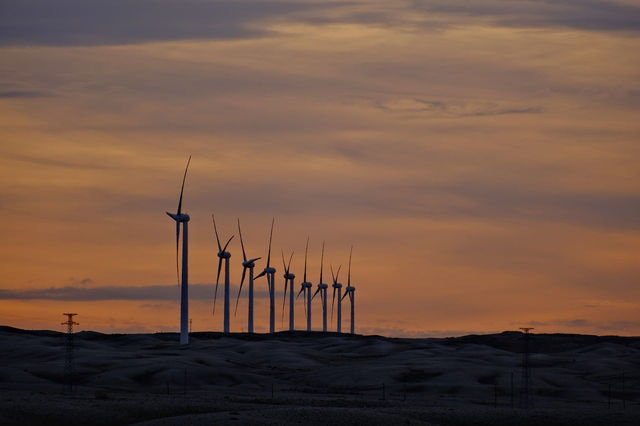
[316,378]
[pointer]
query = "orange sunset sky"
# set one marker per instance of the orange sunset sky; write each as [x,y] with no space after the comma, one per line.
[482,158]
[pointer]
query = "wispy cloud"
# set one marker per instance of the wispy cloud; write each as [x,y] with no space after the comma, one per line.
[441,108]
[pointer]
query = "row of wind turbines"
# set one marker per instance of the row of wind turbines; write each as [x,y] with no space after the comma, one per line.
[268,271]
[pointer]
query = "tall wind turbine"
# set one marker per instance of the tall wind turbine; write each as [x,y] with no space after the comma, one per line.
[288,277]
[306,289]
[322,288]
[247,264]
[270,273]
[222,254]
[183,218]
[337,286]
[350,290]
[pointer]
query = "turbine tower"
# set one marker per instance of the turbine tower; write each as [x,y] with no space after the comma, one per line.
[183,218]
[222,254]
[337,286]
[305,287]
[246,264]
[322,288]
[288,277]
[350,291]
[270,273]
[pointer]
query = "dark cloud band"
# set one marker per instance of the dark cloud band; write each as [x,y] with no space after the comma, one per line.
[154,292]
[102,22]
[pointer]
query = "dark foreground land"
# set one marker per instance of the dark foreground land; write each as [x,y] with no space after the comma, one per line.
[317,378]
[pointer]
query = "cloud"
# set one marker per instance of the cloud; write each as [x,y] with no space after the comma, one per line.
[82,282]
[154,292]
[440,108]
[103,22]
[598,15]
[489,200]
[416,334]
[22,94]
[582,324]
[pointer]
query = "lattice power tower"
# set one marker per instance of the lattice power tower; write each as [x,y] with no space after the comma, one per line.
[525,389]
[68,359]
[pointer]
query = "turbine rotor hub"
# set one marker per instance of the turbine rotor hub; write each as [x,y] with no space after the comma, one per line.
[183,217]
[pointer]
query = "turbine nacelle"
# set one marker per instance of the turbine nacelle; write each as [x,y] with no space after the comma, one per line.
[306,284]
[224,254]
[289,276]
[250,263]
[323,286]
[269,270]
[348,291]
[179,217]
[336,285]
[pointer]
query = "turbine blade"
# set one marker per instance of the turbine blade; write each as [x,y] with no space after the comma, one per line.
[244,255]
[299,293]
[333,302]
[215,228]
[215,296]
[244,271]
[304,302]
[260,275]
[338,273]
[289,264]
[253,260]
[219,268]
[182,189]
[344,295]
[321,262]
[228,241]
[306,250]
[349,273]
[332,274]
[284,297]
[270,237]
[314,294]
[284,265]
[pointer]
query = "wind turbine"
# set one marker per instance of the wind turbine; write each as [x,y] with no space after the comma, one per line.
[270,273]
[350,290]
[337,286]
[247,264]
[306,289]
[222,254]
[183,218]
[322,288]
[288,277]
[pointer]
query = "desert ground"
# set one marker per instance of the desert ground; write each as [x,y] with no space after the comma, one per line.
[317,378]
